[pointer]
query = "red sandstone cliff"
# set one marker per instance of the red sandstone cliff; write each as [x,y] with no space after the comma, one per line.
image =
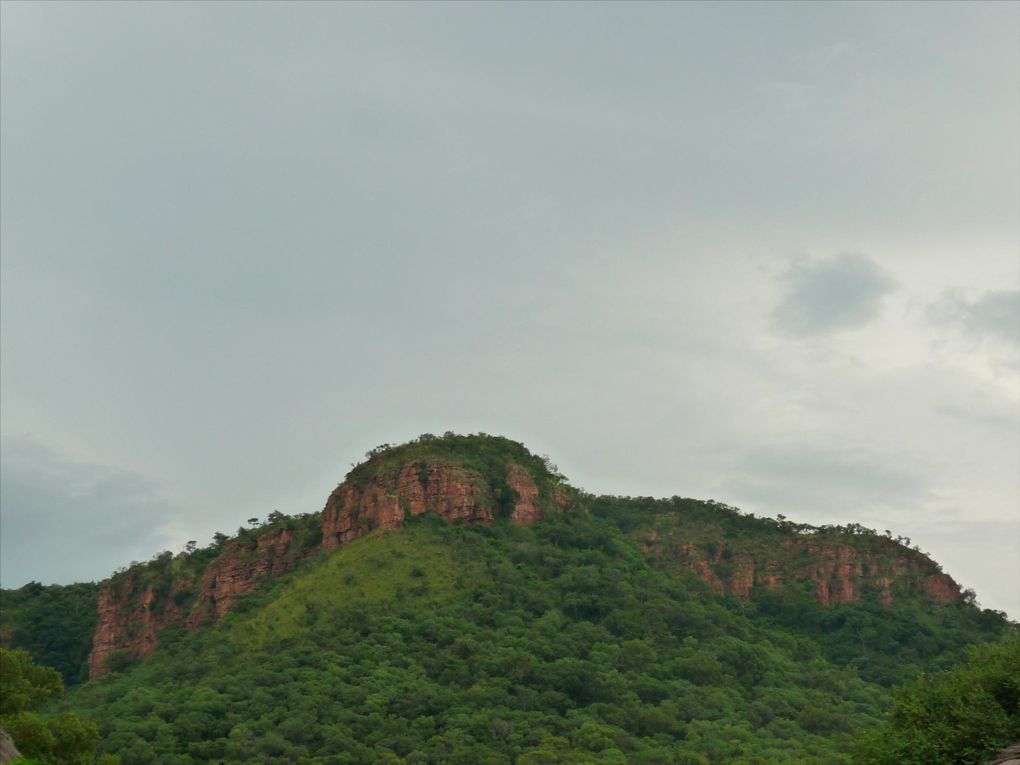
[451,492]
[129,618]
[384,491]
[238,571]
[134,607]
[839,570]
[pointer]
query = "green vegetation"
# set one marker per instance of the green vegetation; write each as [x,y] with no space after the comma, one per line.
[482,645]
[584,639]
[54,623]
[489,456]
[62,739]
[886,645]
[369,575]
[957,717]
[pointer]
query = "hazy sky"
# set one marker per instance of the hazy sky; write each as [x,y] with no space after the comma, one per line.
[762,253]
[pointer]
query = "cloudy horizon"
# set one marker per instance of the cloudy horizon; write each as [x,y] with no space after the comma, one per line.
[762,253]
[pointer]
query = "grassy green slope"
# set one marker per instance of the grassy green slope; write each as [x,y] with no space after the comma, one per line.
[482,645]
[382,569]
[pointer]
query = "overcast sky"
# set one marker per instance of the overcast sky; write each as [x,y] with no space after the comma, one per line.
[762,253]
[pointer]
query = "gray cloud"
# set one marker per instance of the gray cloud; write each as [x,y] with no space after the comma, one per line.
[995,314]
[65,521]
[817,481]
[242,243]
[830,295]
[963,545]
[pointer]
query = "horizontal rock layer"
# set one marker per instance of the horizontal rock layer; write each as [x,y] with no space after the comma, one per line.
[840,572]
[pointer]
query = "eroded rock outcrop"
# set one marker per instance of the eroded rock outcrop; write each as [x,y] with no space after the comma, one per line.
[134,607]
[240,570]
[476,480]
[451,492]
[942,588]
[130,616]
[839,571]
[527,511]
[454,493]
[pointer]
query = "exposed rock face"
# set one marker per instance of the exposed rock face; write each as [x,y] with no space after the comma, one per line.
[747,574]
[451,492]
[884,585]
[128,621]
[526,510]
[702,566]
[837,572]
[942,588]
[237,571]
[133,608]
[8,751]
[1008,756]
[132,611]
[840,572]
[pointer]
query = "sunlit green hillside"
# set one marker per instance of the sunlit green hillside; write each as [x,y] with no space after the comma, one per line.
[482,645]
[614,630]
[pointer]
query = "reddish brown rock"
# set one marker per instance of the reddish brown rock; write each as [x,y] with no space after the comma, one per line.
[742,579]
[697,563]
[942,588]
[836,571]
[129,617]
[840,572]
[884,585]
[452,492]
[560,499]
[240,569]
[130,614]
[526,510]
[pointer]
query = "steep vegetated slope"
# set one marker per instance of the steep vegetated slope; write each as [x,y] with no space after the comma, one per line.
[456,644]
[54,623]
[191,589]
[868,600]
[461,479]
[513,619]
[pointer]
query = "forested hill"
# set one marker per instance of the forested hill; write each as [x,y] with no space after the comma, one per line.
[457,600]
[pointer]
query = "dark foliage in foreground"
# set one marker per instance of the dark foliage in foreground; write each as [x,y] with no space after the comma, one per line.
[958,717]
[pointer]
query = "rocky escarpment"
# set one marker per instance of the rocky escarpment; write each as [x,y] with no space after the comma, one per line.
[839,570]
[478,480]
[129,618]
[135,606]
[241,570]
[454,493]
